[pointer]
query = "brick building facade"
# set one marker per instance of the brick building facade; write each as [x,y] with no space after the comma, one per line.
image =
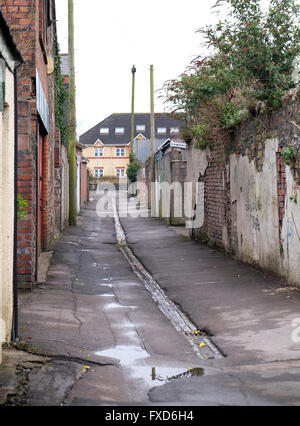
[32,24]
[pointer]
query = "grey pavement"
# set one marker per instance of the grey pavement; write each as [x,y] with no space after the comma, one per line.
[248,313]
[91,334]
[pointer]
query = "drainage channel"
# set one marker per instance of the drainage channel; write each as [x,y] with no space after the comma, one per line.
[202,345]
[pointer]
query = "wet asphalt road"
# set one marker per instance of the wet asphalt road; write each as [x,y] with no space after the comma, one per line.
[111,345]
[95,309]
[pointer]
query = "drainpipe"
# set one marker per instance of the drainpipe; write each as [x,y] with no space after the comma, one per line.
[15,327]
[37,191]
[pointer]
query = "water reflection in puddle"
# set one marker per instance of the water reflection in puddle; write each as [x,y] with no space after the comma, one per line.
[125,354]
[162,375]
[132,356]
[106,295]
[111,306]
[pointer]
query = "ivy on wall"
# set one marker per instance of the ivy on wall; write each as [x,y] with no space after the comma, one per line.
[61,95]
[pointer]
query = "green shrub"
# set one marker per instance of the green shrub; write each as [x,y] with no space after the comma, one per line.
[133,167]
[22,207]
[288,154]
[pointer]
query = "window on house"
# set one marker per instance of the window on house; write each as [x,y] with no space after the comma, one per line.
[161,130]
[120,152]
[140,128]
[120,130]
[121,173]
[98,152]
[104,131]
[44,19]
[99,173]
[174,130]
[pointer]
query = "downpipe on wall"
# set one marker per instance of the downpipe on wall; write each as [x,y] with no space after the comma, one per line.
[15,327]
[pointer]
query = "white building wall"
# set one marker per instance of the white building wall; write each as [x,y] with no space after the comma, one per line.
[7,209]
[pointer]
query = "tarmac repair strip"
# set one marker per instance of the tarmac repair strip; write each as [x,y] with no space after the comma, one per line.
[202,345]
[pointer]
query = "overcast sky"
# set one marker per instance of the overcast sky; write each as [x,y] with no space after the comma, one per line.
[113,35]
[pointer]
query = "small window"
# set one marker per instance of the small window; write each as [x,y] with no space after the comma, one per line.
[99,173]
[121,173]
[98,152]
[104,131]
[141,128]
[120,152]
[174,130]
[120,130]
[161,130]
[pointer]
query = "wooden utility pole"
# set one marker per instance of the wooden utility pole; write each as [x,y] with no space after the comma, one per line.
[153,147]
[133,108]
[72,121]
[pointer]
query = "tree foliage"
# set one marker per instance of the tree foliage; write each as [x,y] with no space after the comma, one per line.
[251,63]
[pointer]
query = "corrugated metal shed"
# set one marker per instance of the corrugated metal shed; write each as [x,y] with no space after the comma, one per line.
[142,148]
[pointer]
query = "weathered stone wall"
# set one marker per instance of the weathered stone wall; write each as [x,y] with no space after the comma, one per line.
[7,198]
[252,198]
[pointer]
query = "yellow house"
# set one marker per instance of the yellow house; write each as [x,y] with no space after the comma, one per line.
[107,145]
[108,162]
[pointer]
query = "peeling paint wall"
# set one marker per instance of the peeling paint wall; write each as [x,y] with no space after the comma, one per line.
[291,232]
[257,221]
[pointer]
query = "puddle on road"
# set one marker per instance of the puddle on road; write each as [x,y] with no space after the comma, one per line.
[111,306]
[106,295]
[98,265]
[163,375]
[130,356]
[127,355]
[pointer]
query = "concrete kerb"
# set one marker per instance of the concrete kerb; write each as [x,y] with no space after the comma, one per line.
[202,345]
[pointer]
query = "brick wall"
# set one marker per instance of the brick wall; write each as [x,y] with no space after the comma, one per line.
[251,196]
[35,42]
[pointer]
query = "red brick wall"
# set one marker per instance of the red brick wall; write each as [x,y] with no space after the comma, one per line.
[23,18]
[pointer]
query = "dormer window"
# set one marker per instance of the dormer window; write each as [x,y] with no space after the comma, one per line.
[174,130]
[120,130]
[161,130]
[141,128]
[104,131]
